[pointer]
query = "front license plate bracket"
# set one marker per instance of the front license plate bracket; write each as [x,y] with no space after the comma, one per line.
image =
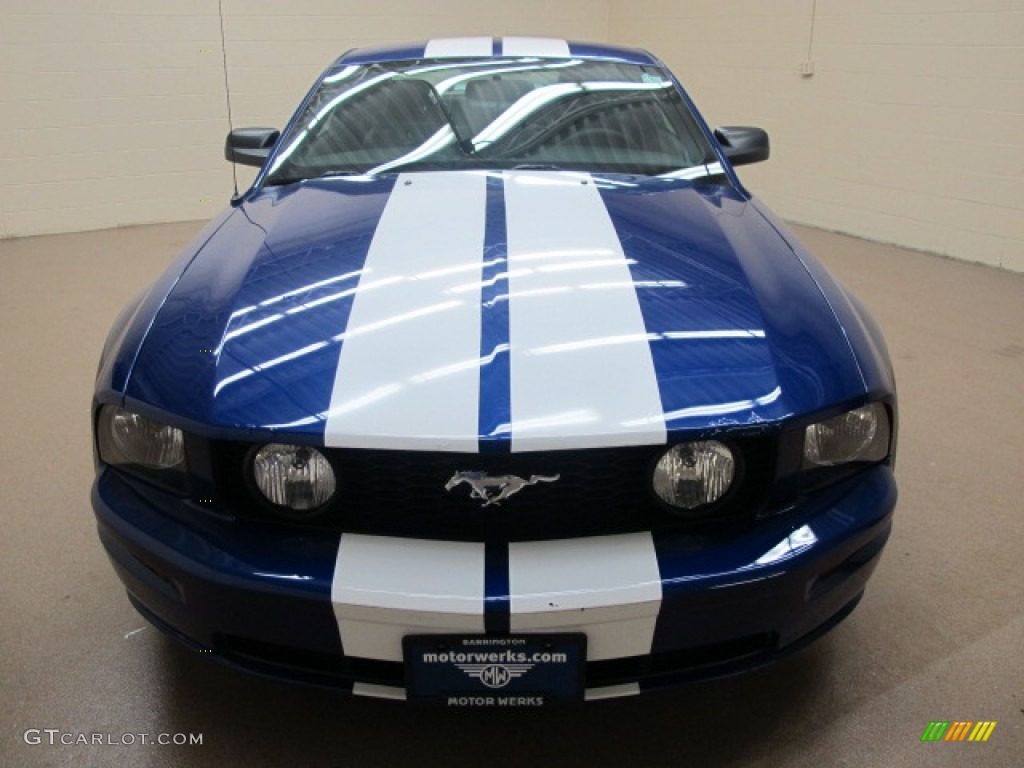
[485,671]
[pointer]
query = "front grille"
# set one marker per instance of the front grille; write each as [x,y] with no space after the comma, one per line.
[402,493]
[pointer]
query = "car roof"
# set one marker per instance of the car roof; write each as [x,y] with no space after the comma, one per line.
[495,47]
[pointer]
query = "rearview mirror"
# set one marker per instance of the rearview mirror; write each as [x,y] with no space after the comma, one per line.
[743,144]
[250,146]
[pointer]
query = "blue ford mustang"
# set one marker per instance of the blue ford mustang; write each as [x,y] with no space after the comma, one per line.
[496,388]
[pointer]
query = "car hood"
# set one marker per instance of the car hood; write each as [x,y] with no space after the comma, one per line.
[452,311]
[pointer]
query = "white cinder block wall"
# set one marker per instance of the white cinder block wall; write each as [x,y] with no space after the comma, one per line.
[109,113]
[113,112]
[910,130]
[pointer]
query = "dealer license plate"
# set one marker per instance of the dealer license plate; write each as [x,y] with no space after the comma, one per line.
[479,671]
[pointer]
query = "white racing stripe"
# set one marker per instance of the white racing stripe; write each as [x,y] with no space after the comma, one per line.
[456,47]
[611,692]
[404,378]
[534,46]
[385,588]
[381,691]
[608,587]
[602,382]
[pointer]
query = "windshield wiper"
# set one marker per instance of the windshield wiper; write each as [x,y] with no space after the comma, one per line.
[465,145]
[284,180]
[537,167]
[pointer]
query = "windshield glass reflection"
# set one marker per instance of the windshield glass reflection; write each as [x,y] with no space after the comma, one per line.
[599,116]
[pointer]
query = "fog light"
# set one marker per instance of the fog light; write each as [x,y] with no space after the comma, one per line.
[691,475]
[294,476]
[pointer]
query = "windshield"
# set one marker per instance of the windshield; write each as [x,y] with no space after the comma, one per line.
[496,114]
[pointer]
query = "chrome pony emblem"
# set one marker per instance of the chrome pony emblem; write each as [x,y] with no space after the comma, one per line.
[494,490]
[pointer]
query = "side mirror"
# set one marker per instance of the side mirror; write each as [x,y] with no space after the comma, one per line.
[743,144]
[250,146]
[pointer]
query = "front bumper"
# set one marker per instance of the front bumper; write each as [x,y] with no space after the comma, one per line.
[657,608]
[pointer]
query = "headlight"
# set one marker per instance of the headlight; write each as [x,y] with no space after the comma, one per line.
[858,435]
[128,438]
[691,475]
[149,449]
[294,476]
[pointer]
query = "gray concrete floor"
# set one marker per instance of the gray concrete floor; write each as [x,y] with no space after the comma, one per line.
[939,635]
